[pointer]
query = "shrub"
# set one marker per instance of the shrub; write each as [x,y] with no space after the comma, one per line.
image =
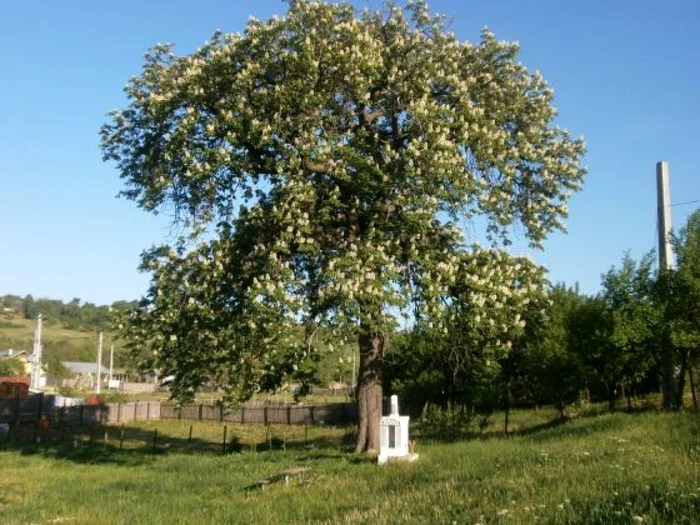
[451,421]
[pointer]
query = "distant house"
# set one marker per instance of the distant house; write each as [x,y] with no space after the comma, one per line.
[14,386]
[9,312]
[85,374]
[20,355]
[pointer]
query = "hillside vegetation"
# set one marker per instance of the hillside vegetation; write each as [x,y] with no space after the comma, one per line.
[69,330]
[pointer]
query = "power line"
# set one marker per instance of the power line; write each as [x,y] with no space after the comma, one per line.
[683,203]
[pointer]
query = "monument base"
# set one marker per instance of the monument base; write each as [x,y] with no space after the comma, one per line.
[382,460]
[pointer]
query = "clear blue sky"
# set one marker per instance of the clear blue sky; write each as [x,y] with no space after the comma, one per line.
[626,76]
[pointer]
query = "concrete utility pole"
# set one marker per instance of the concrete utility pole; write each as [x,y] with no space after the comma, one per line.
[671,368]
[663,194]
[35,359]
[111,364]
[99,363]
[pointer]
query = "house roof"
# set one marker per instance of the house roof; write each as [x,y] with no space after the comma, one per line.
[79,367]
[15,379]
[10,354]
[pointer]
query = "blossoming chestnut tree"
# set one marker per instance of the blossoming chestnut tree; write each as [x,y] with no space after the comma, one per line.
[321,163]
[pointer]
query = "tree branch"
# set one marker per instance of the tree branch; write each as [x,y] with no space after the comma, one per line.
[314,166]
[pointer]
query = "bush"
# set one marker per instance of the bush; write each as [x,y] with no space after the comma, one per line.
[69,391]
[113,397]
[450,422]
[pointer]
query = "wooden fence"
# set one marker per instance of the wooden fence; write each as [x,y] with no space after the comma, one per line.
[37,408]
[264,414]
[17,410]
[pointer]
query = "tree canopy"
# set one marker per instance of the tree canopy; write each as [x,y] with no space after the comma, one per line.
[323,163]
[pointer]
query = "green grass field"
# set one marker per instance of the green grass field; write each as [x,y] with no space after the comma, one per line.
[610,468]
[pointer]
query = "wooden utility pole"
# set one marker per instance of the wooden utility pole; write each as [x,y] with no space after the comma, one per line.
[99,363]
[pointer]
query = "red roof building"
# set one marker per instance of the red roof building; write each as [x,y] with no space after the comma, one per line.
[14,386]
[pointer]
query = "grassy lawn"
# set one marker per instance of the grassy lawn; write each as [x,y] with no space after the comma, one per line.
[610,468]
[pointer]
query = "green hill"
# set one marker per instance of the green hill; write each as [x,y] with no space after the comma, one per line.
[59,343]
[69,330]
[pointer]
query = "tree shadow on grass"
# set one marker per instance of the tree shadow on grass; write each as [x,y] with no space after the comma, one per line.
[556,428]
[133,446]
[591,421]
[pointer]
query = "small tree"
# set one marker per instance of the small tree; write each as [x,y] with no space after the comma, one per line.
[546,363]
[29,307]
[633,319]
[357,143]
[680,296]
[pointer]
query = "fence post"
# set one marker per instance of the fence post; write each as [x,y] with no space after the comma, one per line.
[201,406]
[289,414]
[221,413]
[148,410]
[121,438]
[265,414]
[119,412]
[155,439]
[189,438]
[311,409]
[242,414]
[40,407]
[17,410]
[223,445]
[136,410]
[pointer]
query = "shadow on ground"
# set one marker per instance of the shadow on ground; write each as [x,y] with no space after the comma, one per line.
[132,446]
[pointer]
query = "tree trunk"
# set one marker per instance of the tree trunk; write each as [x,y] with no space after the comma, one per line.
[612,393]
[680,387]
[507,408]
[369,390]
[627,395]
[671,381]
[692,384]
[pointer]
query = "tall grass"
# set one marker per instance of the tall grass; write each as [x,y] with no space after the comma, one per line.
[610,468]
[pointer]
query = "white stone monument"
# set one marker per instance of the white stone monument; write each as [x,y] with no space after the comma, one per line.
[394,443]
